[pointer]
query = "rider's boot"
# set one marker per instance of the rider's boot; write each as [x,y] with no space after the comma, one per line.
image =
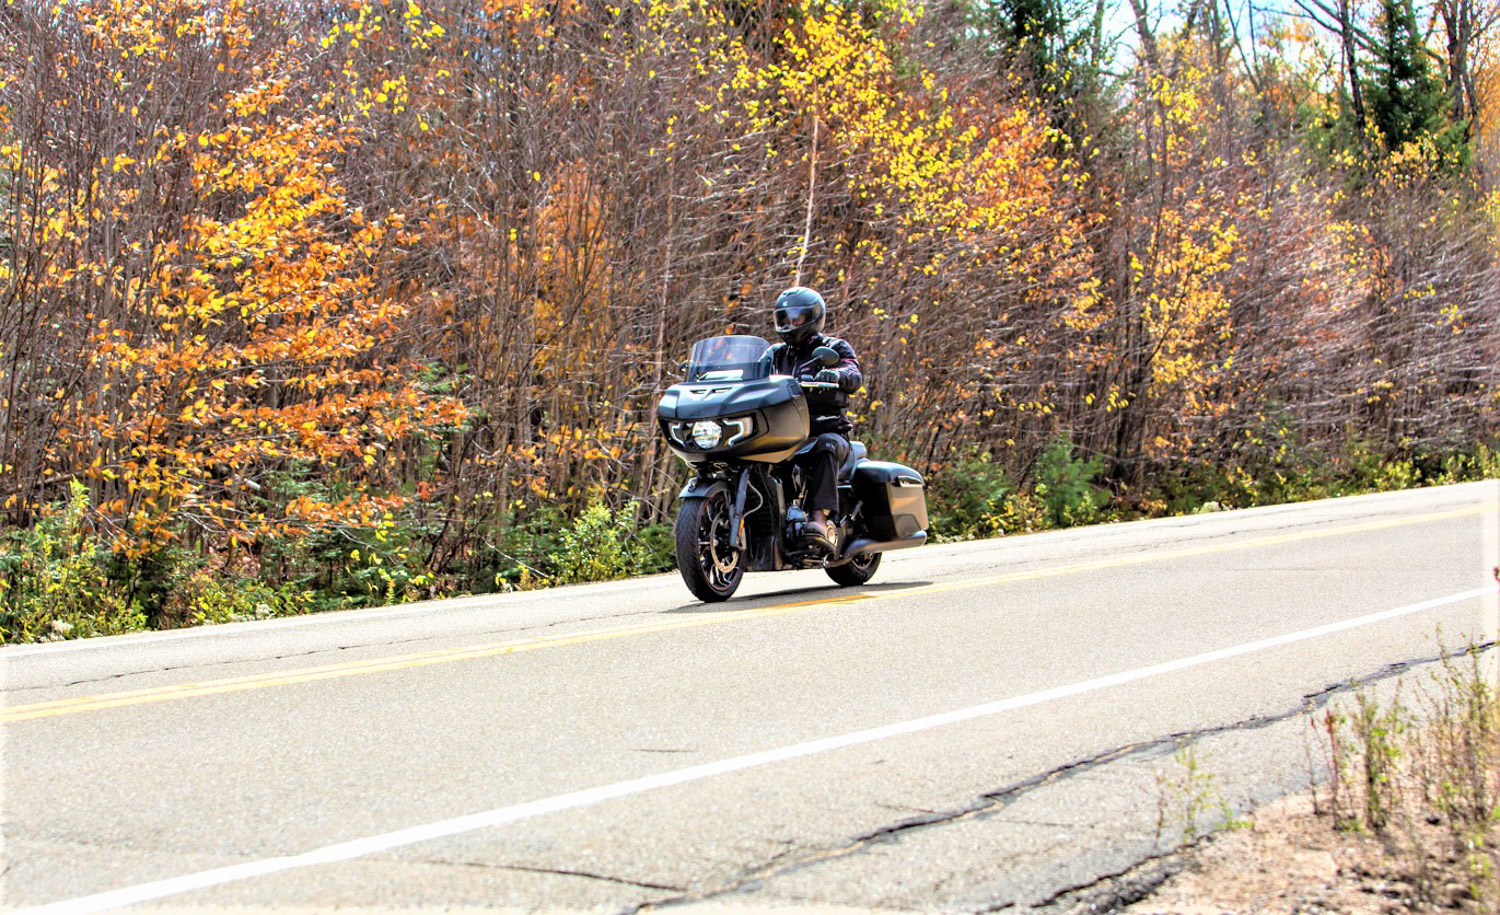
[820,531]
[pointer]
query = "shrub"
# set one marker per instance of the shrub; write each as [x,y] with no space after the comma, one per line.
[657,549]
[969,497]
[600,546]
[207,597]
[526,542]
[1482,464]
[384,566]
[372,559]
[1023,512]
[54,583]
[1065,486]
[541,547]
[975,497]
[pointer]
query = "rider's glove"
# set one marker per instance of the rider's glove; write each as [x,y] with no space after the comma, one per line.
[828,376]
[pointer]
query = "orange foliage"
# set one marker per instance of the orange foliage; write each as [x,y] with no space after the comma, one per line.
[254,334]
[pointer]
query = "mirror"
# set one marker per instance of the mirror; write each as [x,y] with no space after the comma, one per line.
[826,355]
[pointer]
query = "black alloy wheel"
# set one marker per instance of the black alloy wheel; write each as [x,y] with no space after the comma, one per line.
[856,571]
[710,563]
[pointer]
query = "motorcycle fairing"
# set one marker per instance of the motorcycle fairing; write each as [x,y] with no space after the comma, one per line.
[774,405]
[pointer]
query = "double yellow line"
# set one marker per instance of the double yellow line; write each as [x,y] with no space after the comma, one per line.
[80,704]
[380,665]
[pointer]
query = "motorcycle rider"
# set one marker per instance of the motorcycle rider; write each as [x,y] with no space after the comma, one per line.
[800,313]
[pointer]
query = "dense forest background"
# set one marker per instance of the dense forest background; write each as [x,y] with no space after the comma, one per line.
[309,304]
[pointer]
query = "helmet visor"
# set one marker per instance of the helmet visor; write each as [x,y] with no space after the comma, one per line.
[791,317]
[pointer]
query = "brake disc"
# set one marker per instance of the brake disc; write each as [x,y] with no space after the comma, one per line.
[720,550]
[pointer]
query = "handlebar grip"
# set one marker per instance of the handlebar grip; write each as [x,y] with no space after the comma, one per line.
[819,385]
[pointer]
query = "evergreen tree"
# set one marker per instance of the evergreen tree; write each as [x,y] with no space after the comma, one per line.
[1406,100]
[1034,31]
[1059,46]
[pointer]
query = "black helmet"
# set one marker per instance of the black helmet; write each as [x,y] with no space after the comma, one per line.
[799,315]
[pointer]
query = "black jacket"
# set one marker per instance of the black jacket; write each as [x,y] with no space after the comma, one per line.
[826,407]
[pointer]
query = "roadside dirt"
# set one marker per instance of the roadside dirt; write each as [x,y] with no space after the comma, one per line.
[1292,860]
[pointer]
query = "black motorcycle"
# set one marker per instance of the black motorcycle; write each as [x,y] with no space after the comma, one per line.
[738,426]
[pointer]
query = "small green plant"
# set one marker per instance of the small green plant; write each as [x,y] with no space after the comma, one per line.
[54,582]
[1189,799]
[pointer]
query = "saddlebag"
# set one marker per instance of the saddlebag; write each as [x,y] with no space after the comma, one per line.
[893,499]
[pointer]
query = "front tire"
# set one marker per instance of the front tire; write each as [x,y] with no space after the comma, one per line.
[706,556]
[856,571]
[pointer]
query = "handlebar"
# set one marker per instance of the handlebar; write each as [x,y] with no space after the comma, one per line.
[819,385]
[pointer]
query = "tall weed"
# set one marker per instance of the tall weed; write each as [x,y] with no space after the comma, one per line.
[1426,778]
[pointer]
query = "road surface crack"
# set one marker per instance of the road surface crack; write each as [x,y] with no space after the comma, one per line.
[125,675]
[1123,887]
[1119,889]
[560,872]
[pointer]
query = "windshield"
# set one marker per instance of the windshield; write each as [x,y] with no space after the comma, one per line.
[738,358]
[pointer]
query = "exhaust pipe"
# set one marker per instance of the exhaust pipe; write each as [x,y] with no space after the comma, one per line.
[866,545]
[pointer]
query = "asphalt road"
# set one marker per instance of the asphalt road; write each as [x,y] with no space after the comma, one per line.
[989,725]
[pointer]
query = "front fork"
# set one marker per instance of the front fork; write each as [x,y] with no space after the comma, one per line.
[738,481]
[737,515]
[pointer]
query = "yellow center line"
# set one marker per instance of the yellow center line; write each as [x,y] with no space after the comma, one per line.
[448,655]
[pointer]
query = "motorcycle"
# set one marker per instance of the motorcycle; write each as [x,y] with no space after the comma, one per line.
[738,426]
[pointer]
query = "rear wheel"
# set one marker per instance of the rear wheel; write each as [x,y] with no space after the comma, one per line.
[856,571]
[706,556]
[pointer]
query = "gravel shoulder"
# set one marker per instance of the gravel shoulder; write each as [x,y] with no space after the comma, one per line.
[1291,859]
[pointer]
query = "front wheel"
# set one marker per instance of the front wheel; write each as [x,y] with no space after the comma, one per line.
[706,556]
[856,571]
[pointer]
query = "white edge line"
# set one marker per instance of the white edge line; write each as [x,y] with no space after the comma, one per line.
[358,848]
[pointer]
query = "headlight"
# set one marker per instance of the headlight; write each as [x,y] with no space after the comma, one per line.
[742,428]
[706,434]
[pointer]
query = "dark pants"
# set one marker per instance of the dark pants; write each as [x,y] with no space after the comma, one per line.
[820,464]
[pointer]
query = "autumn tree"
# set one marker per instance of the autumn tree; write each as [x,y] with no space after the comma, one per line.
[222,325]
